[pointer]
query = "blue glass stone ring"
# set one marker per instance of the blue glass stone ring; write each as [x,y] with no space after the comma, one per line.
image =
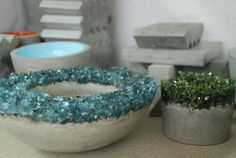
[31,103]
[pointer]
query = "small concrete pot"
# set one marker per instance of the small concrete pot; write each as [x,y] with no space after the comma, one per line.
[26,37]
[50,55]
[197,127]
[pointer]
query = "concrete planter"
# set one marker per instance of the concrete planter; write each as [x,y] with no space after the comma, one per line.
[197,127]
[50,55]
[26,38]
[71,137]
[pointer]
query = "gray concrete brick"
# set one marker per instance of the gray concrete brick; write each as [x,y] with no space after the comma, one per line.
[217,66]
[197,56]
[161,72]
[169,35]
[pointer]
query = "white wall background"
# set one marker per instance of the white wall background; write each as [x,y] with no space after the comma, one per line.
[219,17]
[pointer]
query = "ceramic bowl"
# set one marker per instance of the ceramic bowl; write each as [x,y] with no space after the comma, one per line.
[26,37]
[50,55]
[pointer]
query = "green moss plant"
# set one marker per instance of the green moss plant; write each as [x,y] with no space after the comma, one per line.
[198,91]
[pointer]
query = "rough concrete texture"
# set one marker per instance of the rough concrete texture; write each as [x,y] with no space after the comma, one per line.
[71,138]
[217,66]
[161,72]
[33,14]
[169,35]
[196,56]
[87,21]
[198,127]
[146,141]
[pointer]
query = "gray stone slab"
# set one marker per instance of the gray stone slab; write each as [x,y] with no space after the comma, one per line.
[161,72]
[169,35]
[72,22]
[197,56]
[56,34]
[218,66]
[65,7]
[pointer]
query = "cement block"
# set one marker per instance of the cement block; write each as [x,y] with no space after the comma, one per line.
[217,66]
[138,68]
[169,35]
[56,34]
[72,22]
[197,56]
[61,7]
[161,72]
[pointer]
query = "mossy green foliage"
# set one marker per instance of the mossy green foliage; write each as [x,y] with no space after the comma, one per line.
[198,91]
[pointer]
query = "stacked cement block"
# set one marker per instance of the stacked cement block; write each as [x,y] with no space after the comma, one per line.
[164,47]
[7,44]
[87,21]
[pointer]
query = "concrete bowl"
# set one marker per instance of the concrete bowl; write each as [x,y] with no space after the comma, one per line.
[71,137]
[50,55]
[26,37]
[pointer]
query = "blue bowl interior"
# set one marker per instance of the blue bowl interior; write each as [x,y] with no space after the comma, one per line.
[51,49]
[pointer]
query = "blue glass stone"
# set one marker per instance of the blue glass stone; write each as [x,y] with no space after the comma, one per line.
[135,93]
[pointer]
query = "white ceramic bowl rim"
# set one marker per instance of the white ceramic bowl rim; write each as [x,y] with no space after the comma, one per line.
[51,50]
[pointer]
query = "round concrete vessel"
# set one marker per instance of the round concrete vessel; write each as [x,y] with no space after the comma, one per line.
[50,55]
[71,137]
[26,37]
[197,127]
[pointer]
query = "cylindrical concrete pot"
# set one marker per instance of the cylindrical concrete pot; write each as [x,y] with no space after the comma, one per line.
[197,127]
[50,55]
[26,37]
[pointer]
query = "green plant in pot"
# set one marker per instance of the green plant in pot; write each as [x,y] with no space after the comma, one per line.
[198,108]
